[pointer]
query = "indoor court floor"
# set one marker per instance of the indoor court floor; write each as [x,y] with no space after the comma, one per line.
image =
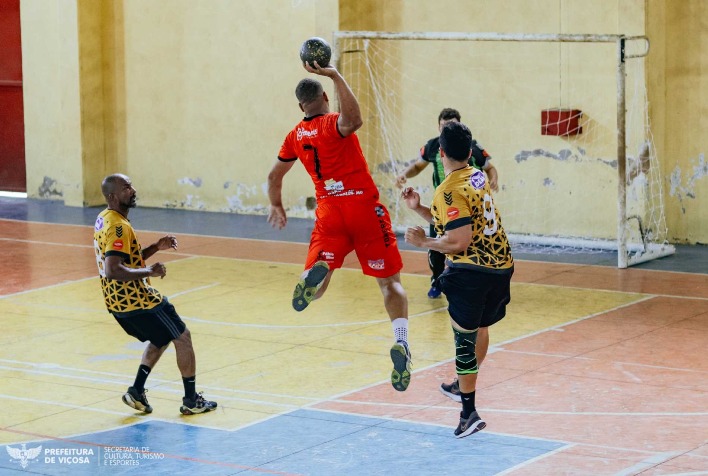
[594,371]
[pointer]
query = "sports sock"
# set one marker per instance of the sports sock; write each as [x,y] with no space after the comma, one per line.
[467,404]
[141,378]
[190,387]
[400,329]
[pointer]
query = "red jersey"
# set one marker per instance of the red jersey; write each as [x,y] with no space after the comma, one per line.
[335,163]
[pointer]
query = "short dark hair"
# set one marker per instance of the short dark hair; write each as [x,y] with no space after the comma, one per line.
[449,113]
[456,141]
[308,90]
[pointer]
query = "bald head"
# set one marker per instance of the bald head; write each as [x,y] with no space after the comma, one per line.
[113,183]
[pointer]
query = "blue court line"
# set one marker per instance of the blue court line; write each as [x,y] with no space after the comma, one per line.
[307,442]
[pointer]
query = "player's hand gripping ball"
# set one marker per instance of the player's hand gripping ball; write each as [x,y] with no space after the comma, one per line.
[316,49]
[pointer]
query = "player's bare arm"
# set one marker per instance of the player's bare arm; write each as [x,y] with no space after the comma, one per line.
[116,269]
[412,170]
[412,199]
[453,241]
[349,113]
[164,243]
[492,176]
[276,213]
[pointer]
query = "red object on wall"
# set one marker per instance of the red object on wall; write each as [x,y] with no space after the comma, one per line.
[561,122]
[12,122]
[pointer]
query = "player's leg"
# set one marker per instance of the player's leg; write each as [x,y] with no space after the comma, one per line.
[396,304]
[328,247]
[436,263]
[377,251]
[466,293]
[467,370]
[312,285]
[175,329]
[138,325]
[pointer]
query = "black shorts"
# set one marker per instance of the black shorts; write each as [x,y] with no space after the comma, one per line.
[160,325]
[475,298]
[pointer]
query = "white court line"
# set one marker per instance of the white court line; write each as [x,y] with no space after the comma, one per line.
[225,323]
[580,357]
[522,412]
[648,463]
[258,240]
[537,458]
[187,291]
[337,324]
[60,404]
[124,377]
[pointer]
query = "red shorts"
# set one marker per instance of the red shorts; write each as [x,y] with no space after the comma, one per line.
[354,225]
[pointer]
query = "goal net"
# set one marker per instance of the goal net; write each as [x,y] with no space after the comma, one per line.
[575,173]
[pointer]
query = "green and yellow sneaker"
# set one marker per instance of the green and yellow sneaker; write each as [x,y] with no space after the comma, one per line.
[401,373]
[307,288]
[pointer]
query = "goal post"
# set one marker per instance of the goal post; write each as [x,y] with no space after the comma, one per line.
[564,117]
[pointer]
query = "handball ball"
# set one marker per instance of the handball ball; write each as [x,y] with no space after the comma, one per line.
[316,49]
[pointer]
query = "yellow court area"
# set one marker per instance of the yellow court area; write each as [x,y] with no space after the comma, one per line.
[64,361]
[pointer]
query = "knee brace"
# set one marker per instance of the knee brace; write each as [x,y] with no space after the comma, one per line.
[465,355]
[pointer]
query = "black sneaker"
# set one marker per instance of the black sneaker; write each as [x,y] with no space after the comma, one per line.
[401,373]
[137,400]
[198,405]
[469,425]
[307,288]
[451,390]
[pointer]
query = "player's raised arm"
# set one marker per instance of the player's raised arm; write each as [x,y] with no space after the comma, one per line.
[349,115]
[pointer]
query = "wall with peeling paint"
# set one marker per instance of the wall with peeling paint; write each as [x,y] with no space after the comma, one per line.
[193,100]
[681,112]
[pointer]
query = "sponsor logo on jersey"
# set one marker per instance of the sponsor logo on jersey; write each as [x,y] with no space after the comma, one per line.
[119,231]
[118,244]
[99,224]
[302,132]
[377,264]
[379,211]
[448,198]
[477,179]
[452,213]
[334,186]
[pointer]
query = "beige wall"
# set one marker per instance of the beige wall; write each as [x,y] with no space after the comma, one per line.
[682,113]
[192,99]
[50,63]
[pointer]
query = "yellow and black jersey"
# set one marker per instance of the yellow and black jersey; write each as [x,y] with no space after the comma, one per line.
[114,236]
[465,199]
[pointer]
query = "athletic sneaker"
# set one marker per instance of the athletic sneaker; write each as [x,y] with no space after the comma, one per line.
[307,288]
[469,425]
[451,390]
[198,405]
[401,373]
[434,292]
[137,400]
